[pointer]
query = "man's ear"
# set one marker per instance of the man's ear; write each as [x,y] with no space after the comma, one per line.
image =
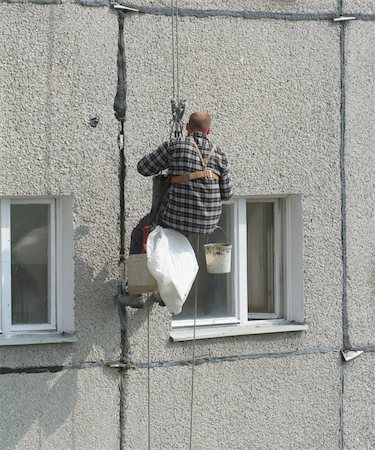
[208,131]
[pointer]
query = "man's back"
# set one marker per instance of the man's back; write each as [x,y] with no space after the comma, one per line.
[199,175]
[191,206]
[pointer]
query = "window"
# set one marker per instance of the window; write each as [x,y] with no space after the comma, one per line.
[264,291]
[36,270]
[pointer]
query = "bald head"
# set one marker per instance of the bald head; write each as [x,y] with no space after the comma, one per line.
[199,121]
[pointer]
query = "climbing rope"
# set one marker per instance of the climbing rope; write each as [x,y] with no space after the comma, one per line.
[148,376]
[193,354]
[175,52]
[178,105]
[178,110]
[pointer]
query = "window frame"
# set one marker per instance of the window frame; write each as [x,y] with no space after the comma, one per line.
[61,276]
[288,218]
[242,262]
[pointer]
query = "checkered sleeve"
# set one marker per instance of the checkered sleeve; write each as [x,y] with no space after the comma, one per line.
[155,161]
[225,182]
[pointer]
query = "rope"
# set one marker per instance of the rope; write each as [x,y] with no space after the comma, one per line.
[177,57]
[193,356]
[173,51]
[148,376]
[178,110]
[178,106]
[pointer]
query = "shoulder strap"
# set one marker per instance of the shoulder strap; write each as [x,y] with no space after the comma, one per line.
[204,161]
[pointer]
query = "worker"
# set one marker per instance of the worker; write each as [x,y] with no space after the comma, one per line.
[199,177]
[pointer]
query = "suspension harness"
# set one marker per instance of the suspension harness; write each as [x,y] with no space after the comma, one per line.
[205,173]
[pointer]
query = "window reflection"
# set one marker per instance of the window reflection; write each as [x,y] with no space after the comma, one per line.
[30,254]
[214,290]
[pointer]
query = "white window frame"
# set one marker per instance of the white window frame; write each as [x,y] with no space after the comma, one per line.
[242,259]
[292,309]
[61,279]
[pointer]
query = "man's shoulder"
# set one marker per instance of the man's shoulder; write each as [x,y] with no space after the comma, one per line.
[176,140]
[219,151]
[183,142]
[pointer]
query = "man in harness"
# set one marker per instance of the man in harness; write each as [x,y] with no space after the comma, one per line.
[199,174]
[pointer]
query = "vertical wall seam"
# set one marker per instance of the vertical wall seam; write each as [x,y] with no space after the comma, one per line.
[121,409]
[344,303]
[123,373]
[120,114]
[341,412]
[345,319]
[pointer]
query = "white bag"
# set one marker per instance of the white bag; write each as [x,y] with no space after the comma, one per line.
[172,262]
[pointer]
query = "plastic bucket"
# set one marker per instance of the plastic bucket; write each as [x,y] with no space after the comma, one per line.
[218,257]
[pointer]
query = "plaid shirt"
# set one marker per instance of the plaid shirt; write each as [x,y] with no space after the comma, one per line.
[192,206]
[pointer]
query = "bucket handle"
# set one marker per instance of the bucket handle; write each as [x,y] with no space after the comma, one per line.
[216,228]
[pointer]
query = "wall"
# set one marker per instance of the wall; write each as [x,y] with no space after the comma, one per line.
[290,95]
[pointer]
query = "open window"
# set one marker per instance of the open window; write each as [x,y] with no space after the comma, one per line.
[264,291]
[36,270]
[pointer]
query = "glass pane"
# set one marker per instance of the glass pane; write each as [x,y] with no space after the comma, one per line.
[214,290]
[30,225]
[260,257]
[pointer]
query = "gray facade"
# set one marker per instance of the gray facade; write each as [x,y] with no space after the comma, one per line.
[291,96]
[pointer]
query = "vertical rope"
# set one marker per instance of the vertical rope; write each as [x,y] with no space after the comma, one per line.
[173,51]
[148,377]
[193,356]
[177,54]
[178,106]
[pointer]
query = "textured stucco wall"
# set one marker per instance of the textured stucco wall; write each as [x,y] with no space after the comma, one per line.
[361,182]
[359,403]
[290,6]
[72,409]
[57,69]
[273,88]
[273,91]
[265,403]
[359,6]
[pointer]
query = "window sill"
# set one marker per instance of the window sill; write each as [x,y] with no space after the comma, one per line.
[37,338]
[186,334]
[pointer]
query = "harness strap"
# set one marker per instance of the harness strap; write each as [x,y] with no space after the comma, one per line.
[206,173]
[204,161]
[175,179]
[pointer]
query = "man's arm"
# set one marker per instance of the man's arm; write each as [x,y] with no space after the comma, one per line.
[225,182]
[155,161]
[226,186]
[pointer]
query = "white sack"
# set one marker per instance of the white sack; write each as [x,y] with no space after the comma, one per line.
[172,262]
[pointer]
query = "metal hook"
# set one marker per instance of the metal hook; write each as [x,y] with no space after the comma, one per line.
[178,111]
